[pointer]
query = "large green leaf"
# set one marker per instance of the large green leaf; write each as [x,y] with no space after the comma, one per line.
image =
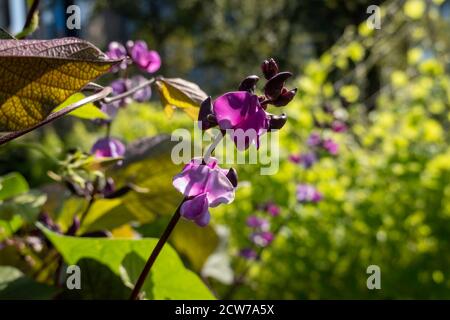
[169,279]
[148,164]
[38,75]
[15,285]
[12,185]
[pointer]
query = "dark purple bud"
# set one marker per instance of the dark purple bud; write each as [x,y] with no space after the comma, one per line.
[233,177]
[74,227]
[75,189]
[249,84]
[47,221]
[277,122]
[270,68]
[285,97]
[275,85]
[109,187]
[206,116]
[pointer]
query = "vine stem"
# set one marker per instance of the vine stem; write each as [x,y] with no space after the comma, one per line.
[155,253]
[31,12]
[168,231]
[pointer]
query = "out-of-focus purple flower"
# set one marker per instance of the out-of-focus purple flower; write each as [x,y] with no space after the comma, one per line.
[120,86]
[257,223]
[314,139]
[331,146]
[147,60]
[117,51]
[295,158]
[273,209]
[204,186]
[262,239]
[108,148]
[308,159]
[143,94]
[248,253]
[307,193]
[338,126]
[242,112]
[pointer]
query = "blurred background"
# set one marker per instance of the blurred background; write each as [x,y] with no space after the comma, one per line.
[386,192]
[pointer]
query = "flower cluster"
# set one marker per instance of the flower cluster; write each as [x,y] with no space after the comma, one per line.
[243,113]
[308,194]
[204,185]
[147,60]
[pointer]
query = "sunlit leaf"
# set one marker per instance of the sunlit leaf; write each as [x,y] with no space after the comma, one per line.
[148,164]
[15,285]
[88,111]
[169,279]
[12,185]
[179,93]
[38,75]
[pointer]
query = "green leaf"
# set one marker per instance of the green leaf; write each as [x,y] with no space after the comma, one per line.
[88,111]
[38,75]
[27,205]
[169,279]
[12,185]
[179,93]
[14,285]
[147,164]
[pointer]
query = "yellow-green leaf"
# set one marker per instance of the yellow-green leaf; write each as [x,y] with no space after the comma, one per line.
[179,93]
[88,111]
[38,75]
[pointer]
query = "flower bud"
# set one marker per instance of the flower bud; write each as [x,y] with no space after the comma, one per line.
[275,85]
[285,97]
[206,116]
[249,84]
[277,122]
[270,68]
[232,176]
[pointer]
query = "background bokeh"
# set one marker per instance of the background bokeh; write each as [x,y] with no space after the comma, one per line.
[386,194]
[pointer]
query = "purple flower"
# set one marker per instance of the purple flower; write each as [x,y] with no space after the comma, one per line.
[308,159]
[147,60]
[257,223]
[117,51]
[108,148]
[204,186]
[314,139]
[248,253]
[338,126]
[242,112]
[273,209]
[307,193]
[331,146]
[143,94]
[295,158]
[262,239]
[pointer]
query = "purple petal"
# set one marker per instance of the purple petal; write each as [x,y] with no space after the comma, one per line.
[219,188]
[108,147]
[143,94]
[195,208]
[192,180]
[147,60]
[203,219]
[233,107]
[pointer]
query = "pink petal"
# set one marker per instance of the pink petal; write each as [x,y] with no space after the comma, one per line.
[219,189]
[233,107]
[192,180]
[195,208]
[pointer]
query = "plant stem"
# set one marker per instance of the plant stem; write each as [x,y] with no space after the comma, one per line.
[31,12]
[151,260]
[129,92]
[165,236]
